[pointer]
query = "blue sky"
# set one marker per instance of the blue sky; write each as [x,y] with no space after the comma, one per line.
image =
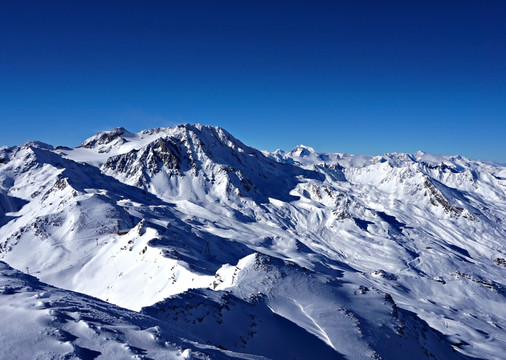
[341,76]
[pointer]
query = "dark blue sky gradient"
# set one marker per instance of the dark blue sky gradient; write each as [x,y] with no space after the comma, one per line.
[342,76]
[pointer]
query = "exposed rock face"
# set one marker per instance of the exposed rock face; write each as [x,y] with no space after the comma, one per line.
[144,163]
[436,198]
[105,137]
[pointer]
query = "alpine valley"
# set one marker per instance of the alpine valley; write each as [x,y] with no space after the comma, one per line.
[184,243]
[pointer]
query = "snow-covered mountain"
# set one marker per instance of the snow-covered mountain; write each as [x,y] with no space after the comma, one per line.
[237,253]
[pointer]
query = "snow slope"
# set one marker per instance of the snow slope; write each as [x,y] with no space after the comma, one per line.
[43,322]
[352,256]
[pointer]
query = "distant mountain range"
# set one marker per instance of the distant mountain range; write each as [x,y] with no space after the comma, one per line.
[179,243]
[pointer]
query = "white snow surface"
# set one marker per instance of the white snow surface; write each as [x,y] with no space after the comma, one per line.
[43,322]
[246,254]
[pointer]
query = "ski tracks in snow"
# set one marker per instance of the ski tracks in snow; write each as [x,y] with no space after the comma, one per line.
[321,332]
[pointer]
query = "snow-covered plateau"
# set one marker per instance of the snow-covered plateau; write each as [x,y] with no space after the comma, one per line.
[184,243]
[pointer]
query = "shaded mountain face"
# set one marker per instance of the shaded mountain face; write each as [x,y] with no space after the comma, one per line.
[257,254]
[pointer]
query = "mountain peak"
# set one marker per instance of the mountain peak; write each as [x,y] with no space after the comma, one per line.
[106,137]
[303,150]
[38,144]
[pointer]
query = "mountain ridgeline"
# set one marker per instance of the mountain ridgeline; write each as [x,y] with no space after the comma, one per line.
[213,249]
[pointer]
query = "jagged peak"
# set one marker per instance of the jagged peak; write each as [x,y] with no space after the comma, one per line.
[38,145]
[156,130]
[303,150]
[119,130]
[196,139]
[105,137]
[206,137]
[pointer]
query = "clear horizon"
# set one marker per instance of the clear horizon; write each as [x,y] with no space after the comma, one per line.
[361,77]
